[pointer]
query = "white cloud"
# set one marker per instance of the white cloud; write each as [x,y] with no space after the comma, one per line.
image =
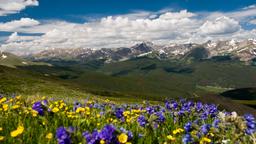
[222,25]
[177,15]
[14,37]
[253,21]
[126,30]
[15,25]
[14,6]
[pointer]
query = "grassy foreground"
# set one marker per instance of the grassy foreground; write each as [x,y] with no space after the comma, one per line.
[30,121]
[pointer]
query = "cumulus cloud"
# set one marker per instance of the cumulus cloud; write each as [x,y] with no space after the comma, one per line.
[125,30]
[222,25]
[14,6]
[253,21]
[15,25]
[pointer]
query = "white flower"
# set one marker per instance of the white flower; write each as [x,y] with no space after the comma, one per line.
[222,116]
[233,115]
[225,141]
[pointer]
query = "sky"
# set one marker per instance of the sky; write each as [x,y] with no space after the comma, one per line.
[30,26]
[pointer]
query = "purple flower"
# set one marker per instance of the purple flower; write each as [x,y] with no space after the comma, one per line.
[71,129]
[167,105]
[108,134]
[187,139]
[174,104]
[160,117]
[76,105]
[215,123]
[37,106]
[119,113]
[142,121]
[91,138]
[150,110]
[130,135]
[45,102]
[250,122]
[188,127]
[63,136]
[199,106]
[205,128]
[204,115]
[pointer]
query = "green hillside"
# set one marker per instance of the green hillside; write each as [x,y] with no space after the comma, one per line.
[138,79]
[151,78]
[11,60]
[143,77]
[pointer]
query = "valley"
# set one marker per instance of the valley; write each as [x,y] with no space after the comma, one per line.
[144,77]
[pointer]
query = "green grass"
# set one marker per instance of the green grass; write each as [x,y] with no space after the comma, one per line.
[139,78]
[21,122]
[214,89]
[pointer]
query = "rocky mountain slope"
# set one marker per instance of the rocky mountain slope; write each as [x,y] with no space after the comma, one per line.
[243,50]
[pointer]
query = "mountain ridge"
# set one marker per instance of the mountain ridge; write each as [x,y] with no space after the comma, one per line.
[244,50]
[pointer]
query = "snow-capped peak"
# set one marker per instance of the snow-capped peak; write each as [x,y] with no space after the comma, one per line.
[4,56]
[232,42]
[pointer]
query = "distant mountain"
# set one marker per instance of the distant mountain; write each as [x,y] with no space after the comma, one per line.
[242,50]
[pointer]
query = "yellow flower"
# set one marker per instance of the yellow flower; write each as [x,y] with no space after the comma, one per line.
[211,134]
[194,132]
[49,136]
[122,138]
[115,121]
[15,106]
[80,109]
[170,137]
[18,97]
[87,108]
[55,109]
[88,113]
[177,131]
[126,113]
[98,115]
[1,138]
[205,140]
[61,105]
[34,113]
[44,122]
[18,131]
[102,142]
[1,128]
[135,110]
[3,100]
[26,111]
[5,107]
[128,120]
[128,143]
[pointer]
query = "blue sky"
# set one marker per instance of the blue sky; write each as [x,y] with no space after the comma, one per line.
[44,24]
[70,10]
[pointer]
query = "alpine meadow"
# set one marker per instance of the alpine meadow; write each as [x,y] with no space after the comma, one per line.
[127,72]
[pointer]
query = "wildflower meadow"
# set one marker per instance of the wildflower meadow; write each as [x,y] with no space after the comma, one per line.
[50,121]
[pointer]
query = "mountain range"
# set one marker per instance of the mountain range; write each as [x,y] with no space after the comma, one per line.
[244,51]
[206,72]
